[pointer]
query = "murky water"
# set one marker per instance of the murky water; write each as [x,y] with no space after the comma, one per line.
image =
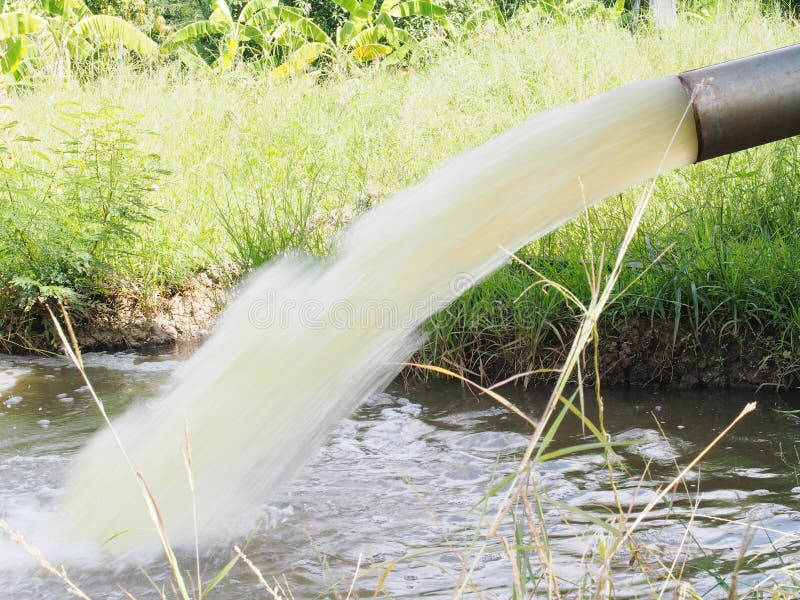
[402,481]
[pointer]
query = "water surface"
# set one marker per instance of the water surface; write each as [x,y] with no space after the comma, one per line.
[402,481]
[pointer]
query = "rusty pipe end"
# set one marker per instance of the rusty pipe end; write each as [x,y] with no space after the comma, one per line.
[745,102]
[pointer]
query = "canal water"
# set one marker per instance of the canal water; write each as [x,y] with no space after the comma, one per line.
[401,496]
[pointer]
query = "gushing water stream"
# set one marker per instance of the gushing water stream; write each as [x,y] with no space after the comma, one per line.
[305,343]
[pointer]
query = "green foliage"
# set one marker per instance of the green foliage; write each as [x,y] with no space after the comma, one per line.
[266,225]
[276,37]
[715,257]
[500,327]
[263,29]
[283,35]
[15,27]
[14,24]
[325,13]
[71,212]
[127,9]
[64,34]
[256,169]
[106,29]
[371,33]
[569,11]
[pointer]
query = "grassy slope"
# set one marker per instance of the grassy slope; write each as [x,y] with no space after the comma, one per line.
[277,158]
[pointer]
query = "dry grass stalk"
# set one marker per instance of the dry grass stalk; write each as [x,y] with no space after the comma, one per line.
[60,573]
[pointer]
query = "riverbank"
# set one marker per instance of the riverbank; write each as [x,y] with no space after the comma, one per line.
[237,169]
[633,352]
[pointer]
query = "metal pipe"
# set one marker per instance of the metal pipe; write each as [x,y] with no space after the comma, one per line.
[746,102]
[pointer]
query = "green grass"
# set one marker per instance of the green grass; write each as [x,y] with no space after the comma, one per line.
[715,260]
[258,167]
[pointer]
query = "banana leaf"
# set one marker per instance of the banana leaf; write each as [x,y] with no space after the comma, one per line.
[13,24]
[108,29]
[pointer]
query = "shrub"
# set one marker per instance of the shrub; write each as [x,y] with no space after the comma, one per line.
[70,212]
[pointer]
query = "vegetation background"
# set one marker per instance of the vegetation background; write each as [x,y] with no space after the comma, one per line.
[145,142]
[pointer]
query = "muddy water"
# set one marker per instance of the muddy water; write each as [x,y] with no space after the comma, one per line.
[399,481]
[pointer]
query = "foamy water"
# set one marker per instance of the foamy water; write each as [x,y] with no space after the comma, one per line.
[305,343]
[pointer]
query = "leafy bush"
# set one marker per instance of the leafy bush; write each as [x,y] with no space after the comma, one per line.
[70,213]
[268,33]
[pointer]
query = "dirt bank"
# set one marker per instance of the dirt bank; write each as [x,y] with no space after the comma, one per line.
[641,352]
[122,320]
[636,352]
[649,353]
[185,315]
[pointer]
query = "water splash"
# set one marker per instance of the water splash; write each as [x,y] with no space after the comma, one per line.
[304,343]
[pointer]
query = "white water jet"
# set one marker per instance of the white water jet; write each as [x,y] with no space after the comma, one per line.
[305,343]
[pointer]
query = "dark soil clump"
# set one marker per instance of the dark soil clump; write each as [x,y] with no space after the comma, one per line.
[650,353]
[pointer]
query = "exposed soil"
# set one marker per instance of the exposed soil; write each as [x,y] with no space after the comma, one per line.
[649,353]
[638,352]
[641,352]
[121,320]
[187,314]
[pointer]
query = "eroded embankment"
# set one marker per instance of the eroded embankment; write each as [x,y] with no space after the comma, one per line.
[123,320]
[649,353]
[638,351]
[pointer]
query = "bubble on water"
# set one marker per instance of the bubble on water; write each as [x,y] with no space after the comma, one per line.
[124,361]
[409,408]
[9,377]
[13,401]
[45,423]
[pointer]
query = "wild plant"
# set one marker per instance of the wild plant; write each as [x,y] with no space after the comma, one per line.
[518,527]
[283,40]
[56,37]
[72,211]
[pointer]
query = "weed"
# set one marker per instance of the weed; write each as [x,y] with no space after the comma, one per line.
[72,211]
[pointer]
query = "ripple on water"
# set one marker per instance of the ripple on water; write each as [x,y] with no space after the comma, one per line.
[753,473]
[472,419]
[400,480]
[125,361]
[651,445]
[490,442]
[12,401]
